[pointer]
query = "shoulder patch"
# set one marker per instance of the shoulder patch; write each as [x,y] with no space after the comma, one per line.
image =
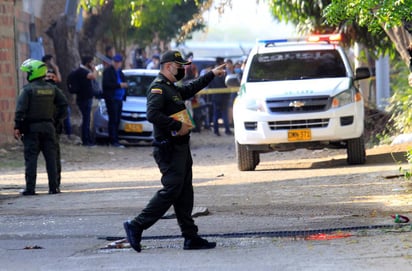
[156,91]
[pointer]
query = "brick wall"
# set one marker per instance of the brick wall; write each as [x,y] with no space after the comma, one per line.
[14,49]
[8,79]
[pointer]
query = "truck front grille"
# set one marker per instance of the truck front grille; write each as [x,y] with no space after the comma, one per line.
[298,124]
[299,104]
[133,116]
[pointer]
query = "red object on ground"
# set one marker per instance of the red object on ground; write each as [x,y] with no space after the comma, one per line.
[400,218]
[325,236]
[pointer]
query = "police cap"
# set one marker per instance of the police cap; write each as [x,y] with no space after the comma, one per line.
[174,56]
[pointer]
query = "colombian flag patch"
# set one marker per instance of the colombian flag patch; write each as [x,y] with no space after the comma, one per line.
[156,90]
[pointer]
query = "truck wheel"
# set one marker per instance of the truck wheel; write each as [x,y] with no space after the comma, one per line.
[356,151]
[246,160]
[256,157]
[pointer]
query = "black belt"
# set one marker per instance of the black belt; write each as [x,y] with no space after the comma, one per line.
[180,140]
[176,140]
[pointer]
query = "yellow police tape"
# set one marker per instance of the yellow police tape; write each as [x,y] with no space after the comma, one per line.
[218,90]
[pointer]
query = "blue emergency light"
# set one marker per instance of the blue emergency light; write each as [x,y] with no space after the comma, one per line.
[325,38]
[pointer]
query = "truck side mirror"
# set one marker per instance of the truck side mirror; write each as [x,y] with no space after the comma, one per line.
[362,73]
[232,80]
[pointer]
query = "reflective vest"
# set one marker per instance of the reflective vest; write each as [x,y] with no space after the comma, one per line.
[41,102]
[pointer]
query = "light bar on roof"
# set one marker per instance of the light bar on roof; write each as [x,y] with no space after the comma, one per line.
[272,41]
[330,38]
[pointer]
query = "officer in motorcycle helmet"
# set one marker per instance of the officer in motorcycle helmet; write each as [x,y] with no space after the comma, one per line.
[39,106]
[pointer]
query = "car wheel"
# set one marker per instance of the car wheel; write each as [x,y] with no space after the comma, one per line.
[355,150]
[246,160]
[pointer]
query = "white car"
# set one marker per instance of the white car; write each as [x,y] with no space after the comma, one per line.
[134,126]
[298,95]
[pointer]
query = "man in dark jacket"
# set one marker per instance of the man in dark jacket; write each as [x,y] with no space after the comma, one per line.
[171,151]
[220,102]
[39,106]
[114,84]
[85,75]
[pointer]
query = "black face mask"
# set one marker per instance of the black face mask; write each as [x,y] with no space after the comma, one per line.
[180,74]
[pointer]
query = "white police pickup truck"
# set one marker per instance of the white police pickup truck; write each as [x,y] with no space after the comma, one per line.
[298,94]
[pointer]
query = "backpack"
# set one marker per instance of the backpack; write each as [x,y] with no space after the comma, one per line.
[72,82]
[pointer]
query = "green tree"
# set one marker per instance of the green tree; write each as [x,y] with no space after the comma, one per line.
[393,18]
[118,22]
[309,17]
[389,17]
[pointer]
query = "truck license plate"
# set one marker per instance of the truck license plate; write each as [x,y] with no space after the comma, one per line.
[299,135]
[133,128]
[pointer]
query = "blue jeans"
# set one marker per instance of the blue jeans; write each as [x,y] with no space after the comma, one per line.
[114,110]
[220,110]
[85,107]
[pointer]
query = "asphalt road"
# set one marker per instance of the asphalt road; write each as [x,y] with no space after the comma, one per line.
[68,231]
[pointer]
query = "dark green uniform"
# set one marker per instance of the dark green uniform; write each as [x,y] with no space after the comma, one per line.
[172,153]
[39,105]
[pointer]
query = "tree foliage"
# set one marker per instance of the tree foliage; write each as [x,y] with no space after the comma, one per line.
[376,15]
[306,15]
[119,22]
[391,18]
[310,17]
[149,22]
[387,21]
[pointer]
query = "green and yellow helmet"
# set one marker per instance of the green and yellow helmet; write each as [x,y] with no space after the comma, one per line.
[35,69]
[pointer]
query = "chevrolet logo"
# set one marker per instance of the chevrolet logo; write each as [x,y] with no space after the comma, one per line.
[135,115]
[297,104]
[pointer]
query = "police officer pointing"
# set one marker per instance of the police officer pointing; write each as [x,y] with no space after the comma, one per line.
[172,152]
[39,106]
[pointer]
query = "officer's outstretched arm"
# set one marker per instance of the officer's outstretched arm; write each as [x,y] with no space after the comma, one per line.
[219,70]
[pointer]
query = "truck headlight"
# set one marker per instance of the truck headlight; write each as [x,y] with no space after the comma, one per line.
[346,97]
[255,105]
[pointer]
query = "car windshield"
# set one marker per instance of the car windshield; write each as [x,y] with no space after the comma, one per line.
[296,66]
[138,84]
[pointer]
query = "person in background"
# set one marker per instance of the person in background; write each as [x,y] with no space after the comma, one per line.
[53,73]
[58,124]
[84,75]
[220,102]
[114,84]
[230,69]
[155,63]
[51,66]
[140,59]
[39,106]
[110,52]
[171,152]
[197,102]
[155,51]
[193,103]
[191,71]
